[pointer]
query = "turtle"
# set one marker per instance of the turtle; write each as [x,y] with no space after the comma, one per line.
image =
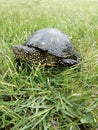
[48,47]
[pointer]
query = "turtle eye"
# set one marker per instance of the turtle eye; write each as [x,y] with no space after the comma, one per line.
[76,56]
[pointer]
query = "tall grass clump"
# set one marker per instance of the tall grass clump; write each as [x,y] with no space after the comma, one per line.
[60,98]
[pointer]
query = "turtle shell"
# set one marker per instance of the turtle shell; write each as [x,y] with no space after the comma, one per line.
[51,40]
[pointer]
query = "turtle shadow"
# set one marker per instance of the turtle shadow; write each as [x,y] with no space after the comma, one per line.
[57,69]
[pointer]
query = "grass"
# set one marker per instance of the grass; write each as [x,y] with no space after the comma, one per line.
[54,98]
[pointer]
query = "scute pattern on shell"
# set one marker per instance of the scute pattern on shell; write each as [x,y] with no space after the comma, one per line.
[53,41]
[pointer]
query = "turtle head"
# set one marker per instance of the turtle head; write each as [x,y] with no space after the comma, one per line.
[72,60]
[76,56]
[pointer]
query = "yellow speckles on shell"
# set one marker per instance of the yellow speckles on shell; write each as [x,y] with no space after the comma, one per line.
[38,57]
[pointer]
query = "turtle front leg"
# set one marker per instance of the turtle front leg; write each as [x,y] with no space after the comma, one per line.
[69,62]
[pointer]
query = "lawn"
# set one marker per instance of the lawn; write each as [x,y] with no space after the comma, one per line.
[61,98]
